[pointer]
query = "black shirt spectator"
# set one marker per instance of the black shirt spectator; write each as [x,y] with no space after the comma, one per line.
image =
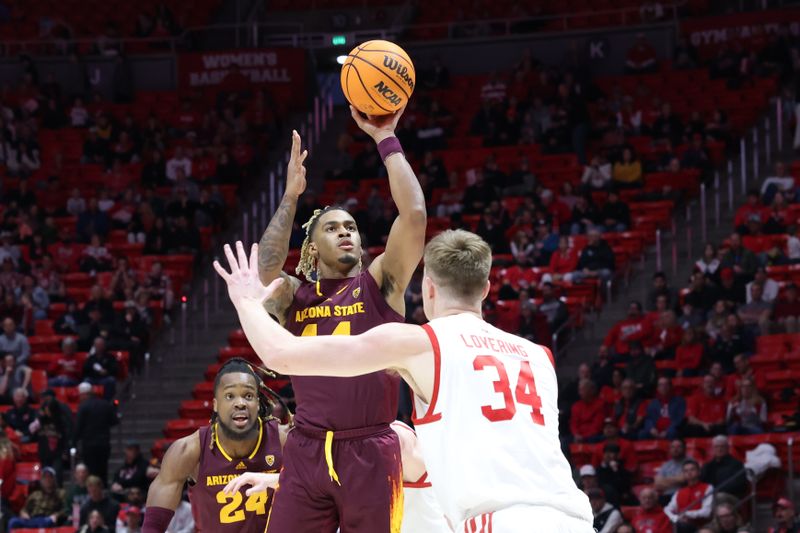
[96,417]
[478,195]
[92,221]
[133,472]
[615,214]
[596,255]
[722,467]
[98,501]
[20,417]
[668,125]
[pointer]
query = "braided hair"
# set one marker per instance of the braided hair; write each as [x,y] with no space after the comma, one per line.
[306,266]
[265,394]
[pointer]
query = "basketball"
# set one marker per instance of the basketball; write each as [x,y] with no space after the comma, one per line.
[378,77]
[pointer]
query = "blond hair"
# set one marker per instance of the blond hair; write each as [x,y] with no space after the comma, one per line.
[459,262]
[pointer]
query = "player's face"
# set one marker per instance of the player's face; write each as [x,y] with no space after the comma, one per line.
[236,404]
[337,242]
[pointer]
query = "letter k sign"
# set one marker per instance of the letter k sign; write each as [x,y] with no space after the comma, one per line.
[597,49]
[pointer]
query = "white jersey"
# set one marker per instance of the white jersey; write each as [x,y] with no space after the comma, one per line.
[489,434]
[421,512]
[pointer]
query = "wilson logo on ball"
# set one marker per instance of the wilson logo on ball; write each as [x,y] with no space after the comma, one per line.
[401,70]
[387,93]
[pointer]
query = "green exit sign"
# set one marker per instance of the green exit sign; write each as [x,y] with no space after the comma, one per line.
[338,40]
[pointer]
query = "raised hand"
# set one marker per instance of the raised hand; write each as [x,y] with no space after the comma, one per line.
[243,282]
[296,170]
[377,127]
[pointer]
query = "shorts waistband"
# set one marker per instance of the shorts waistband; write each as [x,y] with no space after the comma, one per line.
[348,434]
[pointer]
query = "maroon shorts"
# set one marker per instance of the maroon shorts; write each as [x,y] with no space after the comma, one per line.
[369,498]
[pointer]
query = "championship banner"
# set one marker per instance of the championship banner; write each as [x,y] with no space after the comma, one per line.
[282,70]
[708,34]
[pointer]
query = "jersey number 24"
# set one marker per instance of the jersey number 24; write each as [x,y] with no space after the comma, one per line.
[524,393]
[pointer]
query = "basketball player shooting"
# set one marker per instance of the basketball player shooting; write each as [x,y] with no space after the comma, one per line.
[481,394]
[241,437]
[342,460]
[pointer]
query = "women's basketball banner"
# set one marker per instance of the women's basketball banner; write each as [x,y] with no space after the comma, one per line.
[283,69]
[708,34]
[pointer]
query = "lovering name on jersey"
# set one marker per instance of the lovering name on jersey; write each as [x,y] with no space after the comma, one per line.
[327,311]
[496,345]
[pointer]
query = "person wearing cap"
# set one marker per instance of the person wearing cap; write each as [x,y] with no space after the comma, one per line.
[786,311]
[96,417]
[786,520]
[133,521]
[134,498]
[607,518]
[44,507]
[650,517]
[612,473]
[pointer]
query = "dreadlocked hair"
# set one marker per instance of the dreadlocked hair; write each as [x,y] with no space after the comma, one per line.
[306,266]
[240,365]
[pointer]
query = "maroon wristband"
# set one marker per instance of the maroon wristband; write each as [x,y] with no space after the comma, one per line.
[389,146]
[156,519]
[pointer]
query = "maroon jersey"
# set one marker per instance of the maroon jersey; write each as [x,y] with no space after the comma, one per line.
[347,306]
[213,510]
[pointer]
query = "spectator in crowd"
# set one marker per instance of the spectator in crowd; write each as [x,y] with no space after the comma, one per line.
[641,369]
[563,261]
[95,419]
[742,369]
[587,414]
[769,287]
[77,493]
[740,259]
[606,516]
[726,519]
[611,472]
[21,418]
[627,172]
[522,249]
[159,285]
[650,517]
[596,175]
[756,313]
[690,506]
[615,214]
[92,221]
[786,311]
[667,127]
[596,259]
[133,473]
[628,411]
[13,377]
[55,432]
[179,160]
[786,520]
[44,507]
[641,57]
[8,468]
[99,501]
[708,265]
[134,499]
[101,368]
[95,523]
[665,413]
[130,334]
[633,328]
[706,411]
[69,322]
[669,477]
[689,355]
[724,467]
[627,453]
[751,208]
[183,521]
[747,412]
[588,478]
[666,335]
[133,521]
[66,370]
[96,257]
[661,287]
[553,308]
[14,343]
[479,195]
[584,216]
[702,294]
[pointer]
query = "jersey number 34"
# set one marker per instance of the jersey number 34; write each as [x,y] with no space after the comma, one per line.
[524,393]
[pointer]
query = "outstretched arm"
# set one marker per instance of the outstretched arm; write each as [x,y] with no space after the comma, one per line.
[393,269]
[400,346]
[274,244]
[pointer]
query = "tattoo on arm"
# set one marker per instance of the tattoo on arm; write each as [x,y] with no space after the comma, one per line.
[274,245]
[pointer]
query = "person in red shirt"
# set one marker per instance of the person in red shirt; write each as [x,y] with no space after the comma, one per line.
[689,355]
[650,517]
[665,337]
[557,209]
[786,521]
[564,260]
[753,206]
[66,371]
[631,329]
[587,414]
[706,411]
[627,453]
[786,312]
[8,471]
[690,506]
[743,370]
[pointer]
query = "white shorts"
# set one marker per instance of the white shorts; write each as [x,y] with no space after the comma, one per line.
[525,519]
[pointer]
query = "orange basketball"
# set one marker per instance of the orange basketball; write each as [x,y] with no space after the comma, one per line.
[378,77]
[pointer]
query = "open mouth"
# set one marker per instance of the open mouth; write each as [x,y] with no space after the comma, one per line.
[240,420]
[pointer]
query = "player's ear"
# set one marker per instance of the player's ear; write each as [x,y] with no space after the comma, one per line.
[214,405]
[428,287]
[486,289]
[313,250]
